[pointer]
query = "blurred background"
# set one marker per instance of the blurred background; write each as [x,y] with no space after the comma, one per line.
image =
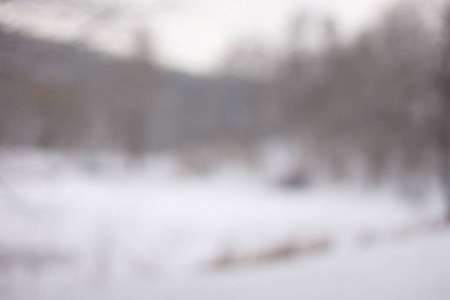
[194,149]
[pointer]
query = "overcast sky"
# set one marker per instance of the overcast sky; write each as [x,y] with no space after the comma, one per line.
[189,34]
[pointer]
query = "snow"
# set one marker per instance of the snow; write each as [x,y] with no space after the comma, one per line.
[118,232]
[417,269]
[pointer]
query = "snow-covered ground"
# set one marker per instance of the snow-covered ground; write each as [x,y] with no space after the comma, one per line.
[415,269]
[84,229]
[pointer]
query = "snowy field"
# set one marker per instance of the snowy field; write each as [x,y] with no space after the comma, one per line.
[77,228]
[414,269]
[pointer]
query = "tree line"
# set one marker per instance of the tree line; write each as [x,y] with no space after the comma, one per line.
[377,105]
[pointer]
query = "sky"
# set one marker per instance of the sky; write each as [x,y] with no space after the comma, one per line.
[191,35]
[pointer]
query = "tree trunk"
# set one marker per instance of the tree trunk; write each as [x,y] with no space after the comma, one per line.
[444,138]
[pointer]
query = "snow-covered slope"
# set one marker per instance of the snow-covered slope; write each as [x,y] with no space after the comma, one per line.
[68,229]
